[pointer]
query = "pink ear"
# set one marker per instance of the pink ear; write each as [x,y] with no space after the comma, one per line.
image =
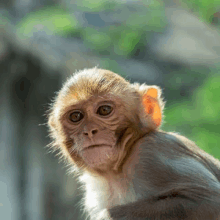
[151,106]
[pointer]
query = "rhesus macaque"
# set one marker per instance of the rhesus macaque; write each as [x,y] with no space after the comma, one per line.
[108,129]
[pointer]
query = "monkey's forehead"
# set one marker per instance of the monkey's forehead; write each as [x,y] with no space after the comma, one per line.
[95,80]
[93,83]
[90,82]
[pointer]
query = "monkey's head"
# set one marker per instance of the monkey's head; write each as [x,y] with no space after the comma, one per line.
[97,116]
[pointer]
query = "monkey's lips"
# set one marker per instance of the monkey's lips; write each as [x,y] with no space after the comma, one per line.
[96,155]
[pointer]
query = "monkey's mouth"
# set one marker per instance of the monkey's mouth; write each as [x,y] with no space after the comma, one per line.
[96,145]
[96,155]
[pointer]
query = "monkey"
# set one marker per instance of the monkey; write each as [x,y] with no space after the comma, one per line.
[108,130]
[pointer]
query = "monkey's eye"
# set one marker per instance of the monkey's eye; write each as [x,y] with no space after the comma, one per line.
[104,110]
[76,116]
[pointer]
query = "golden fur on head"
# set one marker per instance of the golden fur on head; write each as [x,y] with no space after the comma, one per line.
[91,82]
[80,87]
[98,82]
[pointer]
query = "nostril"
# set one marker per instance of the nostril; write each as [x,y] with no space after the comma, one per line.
[94,131]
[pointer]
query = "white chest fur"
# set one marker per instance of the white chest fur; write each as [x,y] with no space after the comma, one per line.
[102,193]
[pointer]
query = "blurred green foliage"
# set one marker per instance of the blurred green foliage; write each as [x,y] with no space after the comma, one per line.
[52,20]
[96,40]
[95,5]
[133,30]
[204,8]
[199,118]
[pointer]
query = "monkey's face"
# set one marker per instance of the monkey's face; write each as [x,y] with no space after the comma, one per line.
[94,129]
[97,116]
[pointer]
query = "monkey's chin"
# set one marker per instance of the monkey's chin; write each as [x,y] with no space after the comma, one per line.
[98,155]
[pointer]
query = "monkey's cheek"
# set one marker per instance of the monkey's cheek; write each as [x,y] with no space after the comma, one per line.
[98,156]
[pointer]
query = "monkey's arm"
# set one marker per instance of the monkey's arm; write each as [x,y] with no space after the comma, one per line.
[185,189]
[192,203]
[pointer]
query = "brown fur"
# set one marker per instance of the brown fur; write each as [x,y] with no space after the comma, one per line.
[138,171]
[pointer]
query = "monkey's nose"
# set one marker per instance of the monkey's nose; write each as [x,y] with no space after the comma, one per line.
[91,133]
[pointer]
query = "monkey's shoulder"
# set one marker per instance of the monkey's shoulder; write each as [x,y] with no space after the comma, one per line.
[174,145]
[176,158]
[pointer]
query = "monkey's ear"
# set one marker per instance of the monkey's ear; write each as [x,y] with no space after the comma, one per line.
[152,103]
[152,106]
